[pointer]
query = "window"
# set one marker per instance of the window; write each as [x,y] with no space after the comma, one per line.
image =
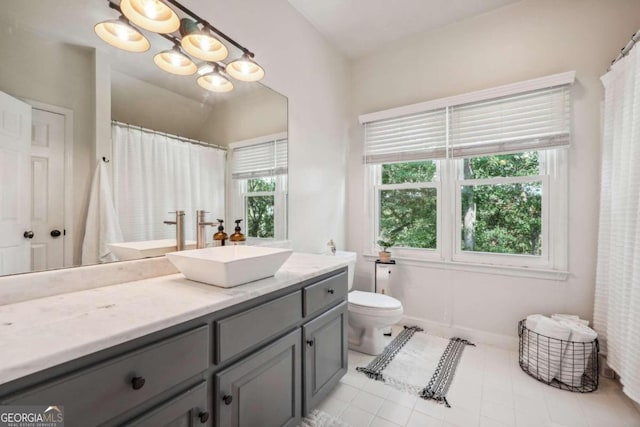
[260,207]
[407,204]
[477,179]
[258,186]
[500,204]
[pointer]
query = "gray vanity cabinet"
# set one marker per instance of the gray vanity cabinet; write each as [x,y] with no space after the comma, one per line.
[99,393]
[186,410]
[264,362]
[325,354]
[263,389]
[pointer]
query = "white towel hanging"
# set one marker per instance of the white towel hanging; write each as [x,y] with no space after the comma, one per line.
[102,225]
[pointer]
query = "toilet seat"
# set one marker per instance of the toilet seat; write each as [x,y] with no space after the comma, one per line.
[369,301]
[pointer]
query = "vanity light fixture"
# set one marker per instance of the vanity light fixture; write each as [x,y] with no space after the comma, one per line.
[245,68]
[175,62]
[152,15]
[199,39]
[215,81]
[119,33]
[201,43]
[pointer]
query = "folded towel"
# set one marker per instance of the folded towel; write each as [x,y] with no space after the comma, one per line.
[529,356]
[577,353]
[544,349]
[571,317]
[533,320]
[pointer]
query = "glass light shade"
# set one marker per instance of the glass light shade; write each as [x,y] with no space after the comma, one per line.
[215,82]
[175,62]
[203,45]
[118,33]
[152,15]
[245,69]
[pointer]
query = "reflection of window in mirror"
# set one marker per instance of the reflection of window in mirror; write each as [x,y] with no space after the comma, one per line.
[258,186]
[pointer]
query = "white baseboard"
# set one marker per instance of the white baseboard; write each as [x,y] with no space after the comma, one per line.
[474,335]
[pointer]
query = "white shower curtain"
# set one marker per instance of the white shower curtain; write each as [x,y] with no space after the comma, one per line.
[617,299]
[155,174]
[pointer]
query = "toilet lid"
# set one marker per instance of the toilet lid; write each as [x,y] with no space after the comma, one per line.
[372,300]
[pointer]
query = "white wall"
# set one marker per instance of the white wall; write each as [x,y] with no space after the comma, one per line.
[140,103]
[301,65]
[528,39]
[258,113]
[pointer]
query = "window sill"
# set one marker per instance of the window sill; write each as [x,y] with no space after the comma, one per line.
[503,270]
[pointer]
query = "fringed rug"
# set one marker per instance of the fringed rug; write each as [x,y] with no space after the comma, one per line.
[318,418]
[418,363]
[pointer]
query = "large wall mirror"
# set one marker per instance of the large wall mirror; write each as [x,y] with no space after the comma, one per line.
[171,144]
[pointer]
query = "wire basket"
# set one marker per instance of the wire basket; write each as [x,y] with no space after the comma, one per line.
[567,365]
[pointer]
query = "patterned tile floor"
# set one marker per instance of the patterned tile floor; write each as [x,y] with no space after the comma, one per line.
[489,390]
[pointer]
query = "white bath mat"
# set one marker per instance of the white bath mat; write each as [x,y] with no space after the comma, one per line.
[418,363]
[319,418]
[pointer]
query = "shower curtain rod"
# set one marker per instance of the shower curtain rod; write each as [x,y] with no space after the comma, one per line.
[179,138]
[626,49]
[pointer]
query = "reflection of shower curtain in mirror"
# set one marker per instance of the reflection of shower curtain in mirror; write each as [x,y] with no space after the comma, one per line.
[155,174]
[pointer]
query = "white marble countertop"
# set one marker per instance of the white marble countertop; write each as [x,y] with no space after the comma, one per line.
[45,332]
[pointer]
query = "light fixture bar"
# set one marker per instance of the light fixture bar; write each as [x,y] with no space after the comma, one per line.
[198,20]
[208,25]
[200,43]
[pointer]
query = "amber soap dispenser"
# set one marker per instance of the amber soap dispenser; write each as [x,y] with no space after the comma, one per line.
[220,237]
[237,238]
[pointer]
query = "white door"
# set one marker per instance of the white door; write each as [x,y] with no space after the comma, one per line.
[47,190]
[15,185]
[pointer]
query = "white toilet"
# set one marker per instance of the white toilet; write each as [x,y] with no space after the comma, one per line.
[369,314]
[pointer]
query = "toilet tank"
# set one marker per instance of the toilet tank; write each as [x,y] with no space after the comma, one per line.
[350,258]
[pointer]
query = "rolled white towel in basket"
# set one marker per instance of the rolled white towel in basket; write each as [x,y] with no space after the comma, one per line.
[570,317]
[529,352]
[577,353]
[533,320]
[545,353]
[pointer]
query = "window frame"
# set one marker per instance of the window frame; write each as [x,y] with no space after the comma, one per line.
[436,183]
[280,197]
[245,200]
[520,260]
[553,175]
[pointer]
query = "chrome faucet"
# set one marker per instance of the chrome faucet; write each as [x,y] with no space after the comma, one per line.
[179,223]
[200,227]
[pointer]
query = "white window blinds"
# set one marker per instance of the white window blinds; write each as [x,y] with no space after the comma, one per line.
[520,117]
[260,160]
[535,120]
[412,137]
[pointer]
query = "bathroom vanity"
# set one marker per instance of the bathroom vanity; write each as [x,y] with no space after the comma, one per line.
[166,351]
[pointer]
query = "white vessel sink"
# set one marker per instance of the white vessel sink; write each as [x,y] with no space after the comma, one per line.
[228,266]
[146,249]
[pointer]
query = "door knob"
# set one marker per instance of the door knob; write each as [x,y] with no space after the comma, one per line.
[204,417]
[28,234]
[330,290]
[55,233]
[310,343]
[227,399]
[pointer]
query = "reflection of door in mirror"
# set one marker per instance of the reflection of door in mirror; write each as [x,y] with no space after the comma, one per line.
[32,148]
[15,127]
[47,190]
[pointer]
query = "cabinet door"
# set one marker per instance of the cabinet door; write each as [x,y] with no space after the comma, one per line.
[186,410]
[325,354]
[262,390]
